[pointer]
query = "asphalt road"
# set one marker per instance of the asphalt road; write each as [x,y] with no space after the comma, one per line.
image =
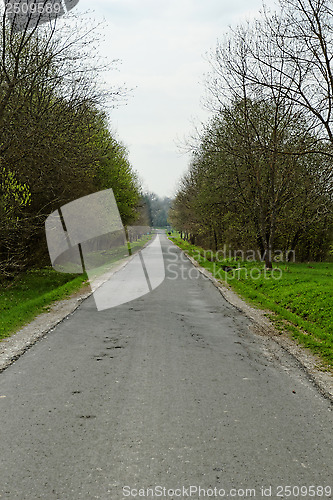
[169,390]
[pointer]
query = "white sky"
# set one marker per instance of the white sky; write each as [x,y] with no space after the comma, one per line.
[161,45]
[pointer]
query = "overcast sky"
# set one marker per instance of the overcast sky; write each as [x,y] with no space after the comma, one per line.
[162,46]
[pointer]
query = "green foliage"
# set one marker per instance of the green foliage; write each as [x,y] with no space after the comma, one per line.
[13,192]
[15,199]
[55,142]
[115,171]
[29,295]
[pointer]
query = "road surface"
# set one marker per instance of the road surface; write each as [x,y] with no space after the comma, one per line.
[171,391]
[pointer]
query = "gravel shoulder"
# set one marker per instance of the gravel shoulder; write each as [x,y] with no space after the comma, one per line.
[11,348]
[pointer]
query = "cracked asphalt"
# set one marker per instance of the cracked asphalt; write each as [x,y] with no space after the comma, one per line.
[172,389]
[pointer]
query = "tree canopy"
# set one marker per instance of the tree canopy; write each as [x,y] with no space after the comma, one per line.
[261,172]
[56,144]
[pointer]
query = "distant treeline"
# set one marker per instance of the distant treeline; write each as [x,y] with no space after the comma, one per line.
[261,174]
[157,209]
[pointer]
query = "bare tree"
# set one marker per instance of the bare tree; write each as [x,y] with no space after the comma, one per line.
[304,38]
[284,62]
[289,54]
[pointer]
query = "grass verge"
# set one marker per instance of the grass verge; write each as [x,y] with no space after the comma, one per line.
[31,294]
[299,295]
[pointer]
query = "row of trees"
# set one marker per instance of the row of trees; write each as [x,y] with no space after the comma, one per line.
[261,174]
[55,142]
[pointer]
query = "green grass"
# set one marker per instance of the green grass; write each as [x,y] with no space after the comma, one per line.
[105,261]
[33,292]
[300,295]
[135,246]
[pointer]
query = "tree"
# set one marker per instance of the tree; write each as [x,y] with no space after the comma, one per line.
[114,170]
[54,138]
[243,190]
[304,38]
[288,54]
[271,120]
